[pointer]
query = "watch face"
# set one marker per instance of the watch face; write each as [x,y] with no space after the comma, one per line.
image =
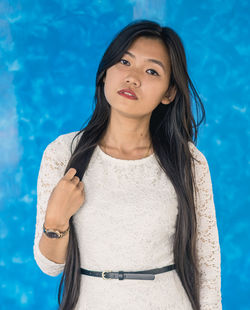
[52,234]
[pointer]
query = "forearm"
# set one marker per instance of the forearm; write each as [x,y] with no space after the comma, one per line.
[52,248]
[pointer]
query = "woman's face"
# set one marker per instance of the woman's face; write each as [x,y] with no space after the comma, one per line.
[140,71]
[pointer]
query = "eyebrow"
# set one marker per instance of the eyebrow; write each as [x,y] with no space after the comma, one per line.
[158,62]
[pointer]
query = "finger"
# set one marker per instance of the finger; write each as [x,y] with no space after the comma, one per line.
[70,174]
[75,180]
[81,185]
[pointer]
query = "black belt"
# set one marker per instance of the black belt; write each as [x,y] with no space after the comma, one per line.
[134,275]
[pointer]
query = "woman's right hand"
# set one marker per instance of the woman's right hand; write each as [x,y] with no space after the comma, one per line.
[65,200]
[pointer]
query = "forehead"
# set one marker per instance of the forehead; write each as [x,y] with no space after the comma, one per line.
[150,48]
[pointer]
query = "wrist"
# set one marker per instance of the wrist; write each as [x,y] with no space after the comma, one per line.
[50,223]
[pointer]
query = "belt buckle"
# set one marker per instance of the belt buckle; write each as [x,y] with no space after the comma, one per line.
[103,275]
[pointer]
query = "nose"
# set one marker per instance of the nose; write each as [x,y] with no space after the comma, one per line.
[132,79]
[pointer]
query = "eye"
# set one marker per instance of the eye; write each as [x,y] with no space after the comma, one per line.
[153,71]
[121,60]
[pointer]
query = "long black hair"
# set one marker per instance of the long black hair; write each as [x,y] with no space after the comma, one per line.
[172,128]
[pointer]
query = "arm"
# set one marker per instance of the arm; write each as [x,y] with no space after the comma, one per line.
[208,248]
[50,254]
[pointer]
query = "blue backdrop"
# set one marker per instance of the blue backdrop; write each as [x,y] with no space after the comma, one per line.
[49,54]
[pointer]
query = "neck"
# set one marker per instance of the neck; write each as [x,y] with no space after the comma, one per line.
[127,135]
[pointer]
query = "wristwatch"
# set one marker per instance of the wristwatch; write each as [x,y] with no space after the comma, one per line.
[51,233]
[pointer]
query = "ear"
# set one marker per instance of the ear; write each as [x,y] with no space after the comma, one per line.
[169,96]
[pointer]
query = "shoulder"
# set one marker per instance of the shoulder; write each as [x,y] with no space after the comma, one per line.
[63,140]
[200,166]
[61,146]
[198,156]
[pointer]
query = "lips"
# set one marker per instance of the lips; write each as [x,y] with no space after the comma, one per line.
[127,93]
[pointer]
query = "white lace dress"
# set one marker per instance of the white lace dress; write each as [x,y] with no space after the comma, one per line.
[127,222]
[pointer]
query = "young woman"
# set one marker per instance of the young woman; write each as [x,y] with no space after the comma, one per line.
[125,205]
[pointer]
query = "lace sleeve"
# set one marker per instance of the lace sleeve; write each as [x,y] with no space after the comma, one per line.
[208,248]
[53,163]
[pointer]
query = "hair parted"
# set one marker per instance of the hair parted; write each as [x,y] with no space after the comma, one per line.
[172,128]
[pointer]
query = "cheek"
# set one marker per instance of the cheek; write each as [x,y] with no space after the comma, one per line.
[106,90]
[110,80]
[161,90]
[155,90]
[109,88]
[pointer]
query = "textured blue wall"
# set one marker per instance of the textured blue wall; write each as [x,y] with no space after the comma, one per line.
[49,53]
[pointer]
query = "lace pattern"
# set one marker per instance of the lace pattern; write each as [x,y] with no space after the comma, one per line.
[54,161]
[208,248]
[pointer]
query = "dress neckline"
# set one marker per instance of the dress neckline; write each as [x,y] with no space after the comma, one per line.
[127,161]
